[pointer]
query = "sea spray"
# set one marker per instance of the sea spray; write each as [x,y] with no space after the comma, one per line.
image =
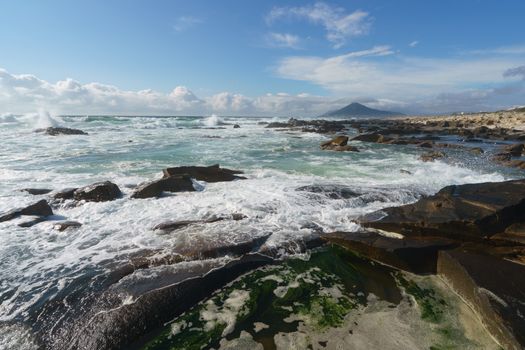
[212,121]
[44,120]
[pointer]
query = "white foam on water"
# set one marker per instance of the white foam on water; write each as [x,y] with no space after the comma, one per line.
[8,118]
[212,120]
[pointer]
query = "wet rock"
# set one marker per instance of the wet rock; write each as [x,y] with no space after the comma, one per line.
[67,193]
[416,255]
[64,225]
[476,150]
[40,208]
[493,287]
[170,226]
[403,171]
[471,211]
[330,191]
[336,141]
[372,137]
[236,126]
[514,150]
[432,156]
[213,173]
[33,222]
[98,192]
[36,191]
[166,184]
[211,250]
[108,323]
[425,144]
[55,131]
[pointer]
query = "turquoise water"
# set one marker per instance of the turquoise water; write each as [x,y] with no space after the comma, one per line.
[37,262]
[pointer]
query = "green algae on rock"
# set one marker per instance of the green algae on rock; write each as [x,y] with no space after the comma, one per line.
[329,300]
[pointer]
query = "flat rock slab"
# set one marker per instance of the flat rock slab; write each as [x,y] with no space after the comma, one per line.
[213,173]
[166,184]
[40,208]
[494,288]
[416,255]
[472,211]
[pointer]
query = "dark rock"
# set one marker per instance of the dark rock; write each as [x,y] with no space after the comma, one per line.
[236,126]
[54,131]
[33,222]
[98,192]
[403,171]
[416,255]
[425,144]
[212,173]
[105,322]
[515,150]
[216,249]
[36,191]
[168,184]
[373,137]
[40,208]
[493,287]
[432,156]
[330,191]
[64,225]
[476,150]
[472,211]
[67,193]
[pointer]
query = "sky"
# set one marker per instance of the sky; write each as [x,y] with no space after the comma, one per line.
[233,57]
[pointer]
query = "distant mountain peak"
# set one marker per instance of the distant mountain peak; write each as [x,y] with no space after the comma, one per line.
[356,110]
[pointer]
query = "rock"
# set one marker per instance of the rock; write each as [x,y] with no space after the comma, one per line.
[98,192]
[431,156]
[372,137]
[106,322]
[236,126]
[515,150]
[416,255]
[337,141]
[330,191]
[494,288]
[36,191]
[170,226]
[476,150]
[215,249]
[472,212]
[64,225]
[67,193]
[425,144]
[403,171]
[33,222]
[40,208]
[213,173]
[54,131]
[166,184]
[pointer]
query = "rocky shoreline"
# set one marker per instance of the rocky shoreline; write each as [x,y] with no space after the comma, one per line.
[471,236]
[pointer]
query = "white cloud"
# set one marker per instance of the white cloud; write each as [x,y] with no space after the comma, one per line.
[414,43]
[25,93]
[282,40]
[340,25]
[185,22]
[400,78]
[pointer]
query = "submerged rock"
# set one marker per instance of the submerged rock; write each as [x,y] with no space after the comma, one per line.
[64,225]
[98,192]
[40,208]
[36,191]
[54,131]
[166,184]
[432,156]
[473,211]
[212,173]
[330,191]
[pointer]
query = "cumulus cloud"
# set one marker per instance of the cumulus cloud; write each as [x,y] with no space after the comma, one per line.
[282,40]
[515,72]
[339,24]
[24,93]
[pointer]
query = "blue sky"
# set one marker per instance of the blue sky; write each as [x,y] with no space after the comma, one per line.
[260,57]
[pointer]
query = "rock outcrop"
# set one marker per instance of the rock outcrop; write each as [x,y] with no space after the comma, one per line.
[339,143]
[213,173]
[155,188]
[472,211]
[40,208]
[98,192]
[55,131]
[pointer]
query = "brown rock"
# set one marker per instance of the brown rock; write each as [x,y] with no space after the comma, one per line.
[98,192]
[168,184]
[213,173]
[432,156]
[372,137]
